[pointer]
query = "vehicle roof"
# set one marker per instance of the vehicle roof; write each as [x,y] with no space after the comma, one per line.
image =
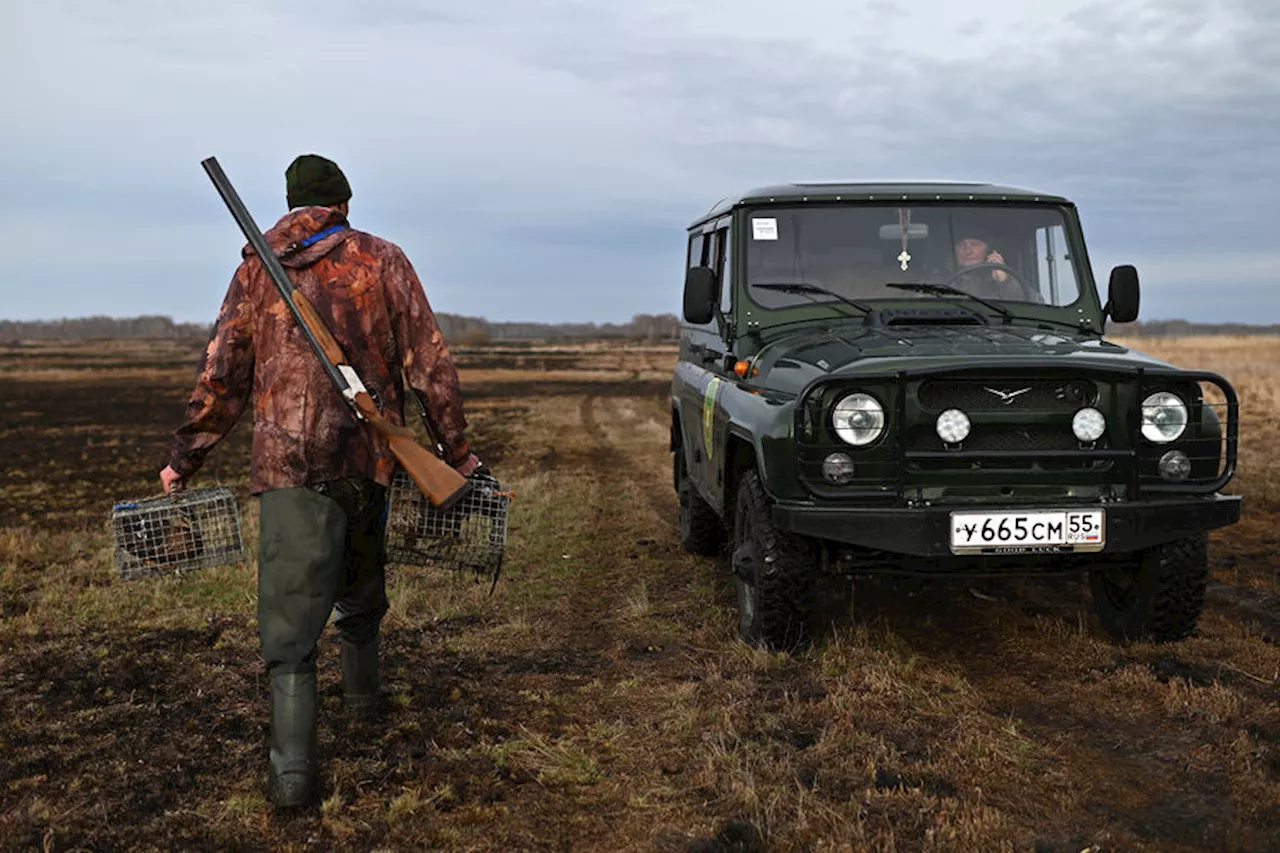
[948,190]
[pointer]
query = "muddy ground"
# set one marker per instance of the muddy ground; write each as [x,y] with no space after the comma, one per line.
[599,700]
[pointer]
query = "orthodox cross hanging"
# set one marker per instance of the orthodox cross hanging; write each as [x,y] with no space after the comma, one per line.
[904,222]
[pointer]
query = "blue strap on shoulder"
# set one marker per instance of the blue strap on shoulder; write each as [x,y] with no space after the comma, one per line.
[316,238]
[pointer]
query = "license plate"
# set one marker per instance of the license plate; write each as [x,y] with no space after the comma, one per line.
[1032,531]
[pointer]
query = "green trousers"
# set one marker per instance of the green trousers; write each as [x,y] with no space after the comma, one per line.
[321,547]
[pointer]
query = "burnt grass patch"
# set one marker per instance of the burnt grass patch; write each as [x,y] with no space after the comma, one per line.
[119,728]
[124,730]
[606,386]
[70,449]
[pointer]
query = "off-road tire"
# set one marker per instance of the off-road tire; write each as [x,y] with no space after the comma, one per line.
[1159,598]
[775,598]
[701,531]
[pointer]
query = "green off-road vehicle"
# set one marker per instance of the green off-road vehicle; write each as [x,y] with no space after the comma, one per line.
[913,378]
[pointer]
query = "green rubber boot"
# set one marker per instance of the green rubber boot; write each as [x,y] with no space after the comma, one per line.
[292,773]
[360,678]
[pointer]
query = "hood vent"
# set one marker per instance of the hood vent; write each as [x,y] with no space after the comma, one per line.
[925,317]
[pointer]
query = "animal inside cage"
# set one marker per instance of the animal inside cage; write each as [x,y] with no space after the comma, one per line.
[172,534]
[470,536]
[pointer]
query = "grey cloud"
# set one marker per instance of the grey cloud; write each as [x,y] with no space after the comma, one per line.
[492,139]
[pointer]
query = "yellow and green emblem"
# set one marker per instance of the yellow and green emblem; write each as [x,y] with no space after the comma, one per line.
[709,413]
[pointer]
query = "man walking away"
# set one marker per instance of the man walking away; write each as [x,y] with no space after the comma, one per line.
[321,475]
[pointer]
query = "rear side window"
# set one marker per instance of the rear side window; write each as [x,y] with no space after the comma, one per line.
[695,251]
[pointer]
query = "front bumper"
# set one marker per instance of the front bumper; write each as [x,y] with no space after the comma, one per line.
[925,531]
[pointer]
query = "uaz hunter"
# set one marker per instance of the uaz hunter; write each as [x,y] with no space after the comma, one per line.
[913,377]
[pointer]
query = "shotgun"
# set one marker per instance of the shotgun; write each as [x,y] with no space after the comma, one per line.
[440,482]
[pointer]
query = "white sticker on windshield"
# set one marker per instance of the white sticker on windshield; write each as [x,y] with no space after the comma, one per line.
[764,229]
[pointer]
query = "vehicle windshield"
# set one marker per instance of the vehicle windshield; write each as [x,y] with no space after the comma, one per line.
[857,251]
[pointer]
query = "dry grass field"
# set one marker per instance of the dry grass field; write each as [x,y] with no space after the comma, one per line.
[599,699]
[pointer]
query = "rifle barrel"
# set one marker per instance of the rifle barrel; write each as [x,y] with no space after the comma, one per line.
[270,263]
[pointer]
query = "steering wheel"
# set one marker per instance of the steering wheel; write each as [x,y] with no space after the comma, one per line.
[1026,289]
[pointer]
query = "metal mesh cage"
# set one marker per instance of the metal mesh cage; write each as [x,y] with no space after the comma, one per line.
[186,531]
[469,536]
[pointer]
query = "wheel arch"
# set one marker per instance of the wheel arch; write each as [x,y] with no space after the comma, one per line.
[740,456]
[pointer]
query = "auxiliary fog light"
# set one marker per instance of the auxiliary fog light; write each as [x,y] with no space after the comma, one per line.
[1088,425]
[837,468]
[953,426]
[1175,465]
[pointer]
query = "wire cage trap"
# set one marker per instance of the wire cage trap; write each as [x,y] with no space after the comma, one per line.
[470,536]
[173,534]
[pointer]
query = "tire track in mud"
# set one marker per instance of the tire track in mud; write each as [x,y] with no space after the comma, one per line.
[632,661]
[537,693]
[666,650]
[628,492]
[662,506]
[595,589]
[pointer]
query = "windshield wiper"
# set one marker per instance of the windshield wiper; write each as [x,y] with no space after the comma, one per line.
[807,290]
[942,289]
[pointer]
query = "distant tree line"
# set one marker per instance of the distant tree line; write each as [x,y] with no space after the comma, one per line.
[470,331]
[100,328]
[457,329]
[1185,328]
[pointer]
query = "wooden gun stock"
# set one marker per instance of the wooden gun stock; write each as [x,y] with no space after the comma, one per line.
[435,478]
[440,482]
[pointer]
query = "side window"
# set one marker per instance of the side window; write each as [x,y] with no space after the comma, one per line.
[724,269]
[711,254]
[1055,266]
[695,251]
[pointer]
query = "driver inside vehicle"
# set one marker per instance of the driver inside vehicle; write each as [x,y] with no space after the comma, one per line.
[971,250]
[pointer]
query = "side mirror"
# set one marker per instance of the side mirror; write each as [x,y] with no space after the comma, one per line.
[1122,294]
[699,295]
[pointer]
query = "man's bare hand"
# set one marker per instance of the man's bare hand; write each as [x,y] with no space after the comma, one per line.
[171,480]
[997,258]
[466,466]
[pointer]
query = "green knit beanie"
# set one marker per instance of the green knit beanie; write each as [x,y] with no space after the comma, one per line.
[312,179]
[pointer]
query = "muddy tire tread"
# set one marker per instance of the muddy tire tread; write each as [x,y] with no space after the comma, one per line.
[1182,574]
[1171,583]
[784,595]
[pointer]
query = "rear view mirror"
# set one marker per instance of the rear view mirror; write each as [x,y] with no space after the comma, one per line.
[699,295]
[915,231]
[1122,294]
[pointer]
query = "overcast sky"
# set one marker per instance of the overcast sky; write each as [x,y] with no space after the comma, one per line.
[540,159]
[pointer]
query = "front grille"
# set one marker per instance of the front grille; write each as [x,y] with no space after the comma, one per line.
[1026,443]
[1041,396]
[1005,438]
[1000,437]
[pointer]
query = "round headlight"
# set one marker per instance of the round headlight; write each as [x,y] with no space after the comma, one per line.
[1164,417]
[858,419]
[953,426]
[1088,425]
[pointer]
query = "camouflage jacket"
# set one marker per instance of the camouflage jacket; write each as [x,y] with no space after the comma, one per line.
[369,296]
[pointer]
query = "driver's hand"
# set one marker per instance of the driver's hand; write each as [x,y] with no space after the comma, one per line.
[997,258]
